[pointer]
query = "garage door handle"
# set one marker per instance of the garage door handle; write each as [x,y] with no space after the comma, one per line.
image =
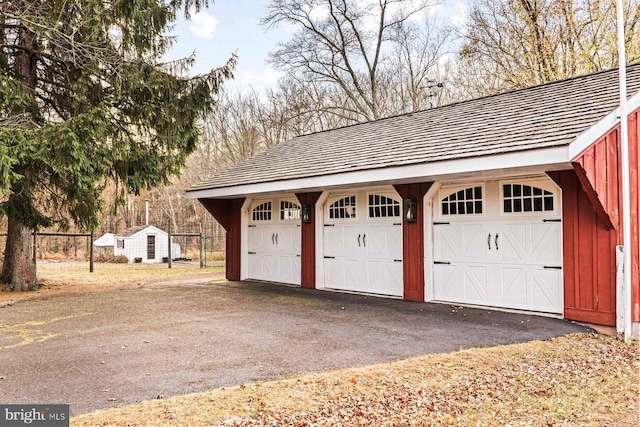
[364,240]
[251,253]
[277,238]
[489,241]
[496,241]
[442,262]
[358,240]
[552,267]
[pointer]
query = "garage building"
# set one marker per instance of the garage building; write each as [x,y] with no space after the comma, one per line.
[510,201]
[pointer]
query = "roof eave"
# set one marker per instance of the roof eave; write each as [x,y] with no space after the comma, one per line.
[591,135]
[529,161]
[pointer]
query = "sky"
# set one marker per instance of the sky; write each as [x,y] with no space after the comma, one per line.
[232,26]
[227,27]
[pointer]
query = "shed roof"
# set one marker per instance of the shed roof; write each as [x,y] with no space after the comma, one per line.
[105,240]
[136,229]
[543,116]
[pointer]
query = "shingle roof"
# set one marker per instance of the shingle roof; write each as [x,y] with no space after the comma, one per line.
[542,116]
[132,230]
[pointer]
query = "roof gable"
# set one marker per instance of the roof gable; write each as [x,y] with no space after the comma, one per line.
[545,116]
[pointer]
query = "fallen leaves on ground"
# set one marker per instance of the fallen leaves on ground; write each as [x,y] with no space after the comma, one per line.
[577,380]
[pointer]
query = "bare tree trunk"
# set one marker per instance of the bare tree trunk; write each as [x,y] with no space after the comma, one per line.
[18,269]
[172,213]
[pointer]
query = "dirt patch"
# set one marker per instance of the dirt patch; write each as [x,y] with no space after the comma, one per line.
[59,278]
[577,380]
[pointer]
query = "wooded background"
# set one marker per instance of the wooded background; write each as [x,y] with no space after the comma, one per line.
[351,61]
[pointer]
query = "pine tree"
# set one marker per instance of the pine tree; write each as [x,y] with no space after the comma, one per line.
[85,99]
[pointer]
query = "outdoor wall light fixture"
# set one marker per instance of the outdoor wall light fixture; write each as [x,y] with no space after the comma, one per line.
[410,210]
[306,213]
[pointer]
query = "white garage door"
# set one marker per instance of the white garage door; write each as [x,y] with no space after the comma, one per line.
[274,241]
[499,244]
[363,243]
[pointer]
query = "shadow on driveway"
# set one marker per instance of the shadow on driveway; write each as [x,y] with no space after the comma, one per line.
[109,349]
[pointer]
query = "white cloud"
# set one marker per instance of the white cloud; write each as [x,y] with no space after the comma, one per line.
[435,10]
[317,13]
[320,12]
[460,15]
[268,77]
[203,25]
[428,8]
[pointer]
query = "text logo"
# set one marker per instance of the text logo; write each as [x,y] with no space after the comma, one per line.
[34,415]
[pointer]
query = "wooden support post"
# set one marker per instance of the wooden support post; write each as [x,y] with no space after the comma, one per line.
[203,238]
[91,252]
[204,244]
[201,251]
[169,245]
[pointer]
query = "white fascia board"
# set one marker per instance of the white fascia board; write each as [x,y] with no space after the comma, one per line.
[597,131]
[530,161]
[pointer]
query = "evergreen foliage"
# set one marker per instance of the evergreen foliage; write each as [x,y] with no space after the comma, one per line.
[85,98]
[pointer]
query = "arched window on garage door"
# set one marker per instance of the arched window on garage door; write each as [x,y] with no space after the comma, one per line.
[518,198]
[289,211]
[262,212]
[383,207]
[463,202]
[343,208]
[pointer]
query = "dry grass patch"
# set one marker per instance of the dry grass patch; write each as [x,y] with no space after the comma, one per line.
[576,380]
[73,277]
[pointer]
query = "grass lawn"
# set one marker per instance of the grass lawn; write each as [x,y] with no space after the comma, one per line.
[576,380]
[73,277]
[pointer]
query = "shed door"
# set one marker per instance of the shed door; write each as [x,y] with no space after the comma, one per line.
[363,243]
[499,244]
[151,247]
[274,241]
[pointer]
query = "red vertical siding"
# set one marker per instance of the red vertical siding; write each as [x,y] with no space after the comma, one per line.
[599,169]
[588,256]
[413,242]
[308,250]
[227,213]
[634,181]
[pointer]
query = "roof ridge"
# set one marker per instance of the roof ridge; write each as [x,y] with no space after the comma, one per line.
[440,107]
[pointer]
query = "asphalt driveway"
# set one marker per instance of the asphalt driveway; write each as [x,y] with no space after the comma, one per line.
[108,349]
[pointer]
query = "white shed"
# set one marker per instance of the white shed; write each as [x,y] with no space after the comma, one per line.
[144,243]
